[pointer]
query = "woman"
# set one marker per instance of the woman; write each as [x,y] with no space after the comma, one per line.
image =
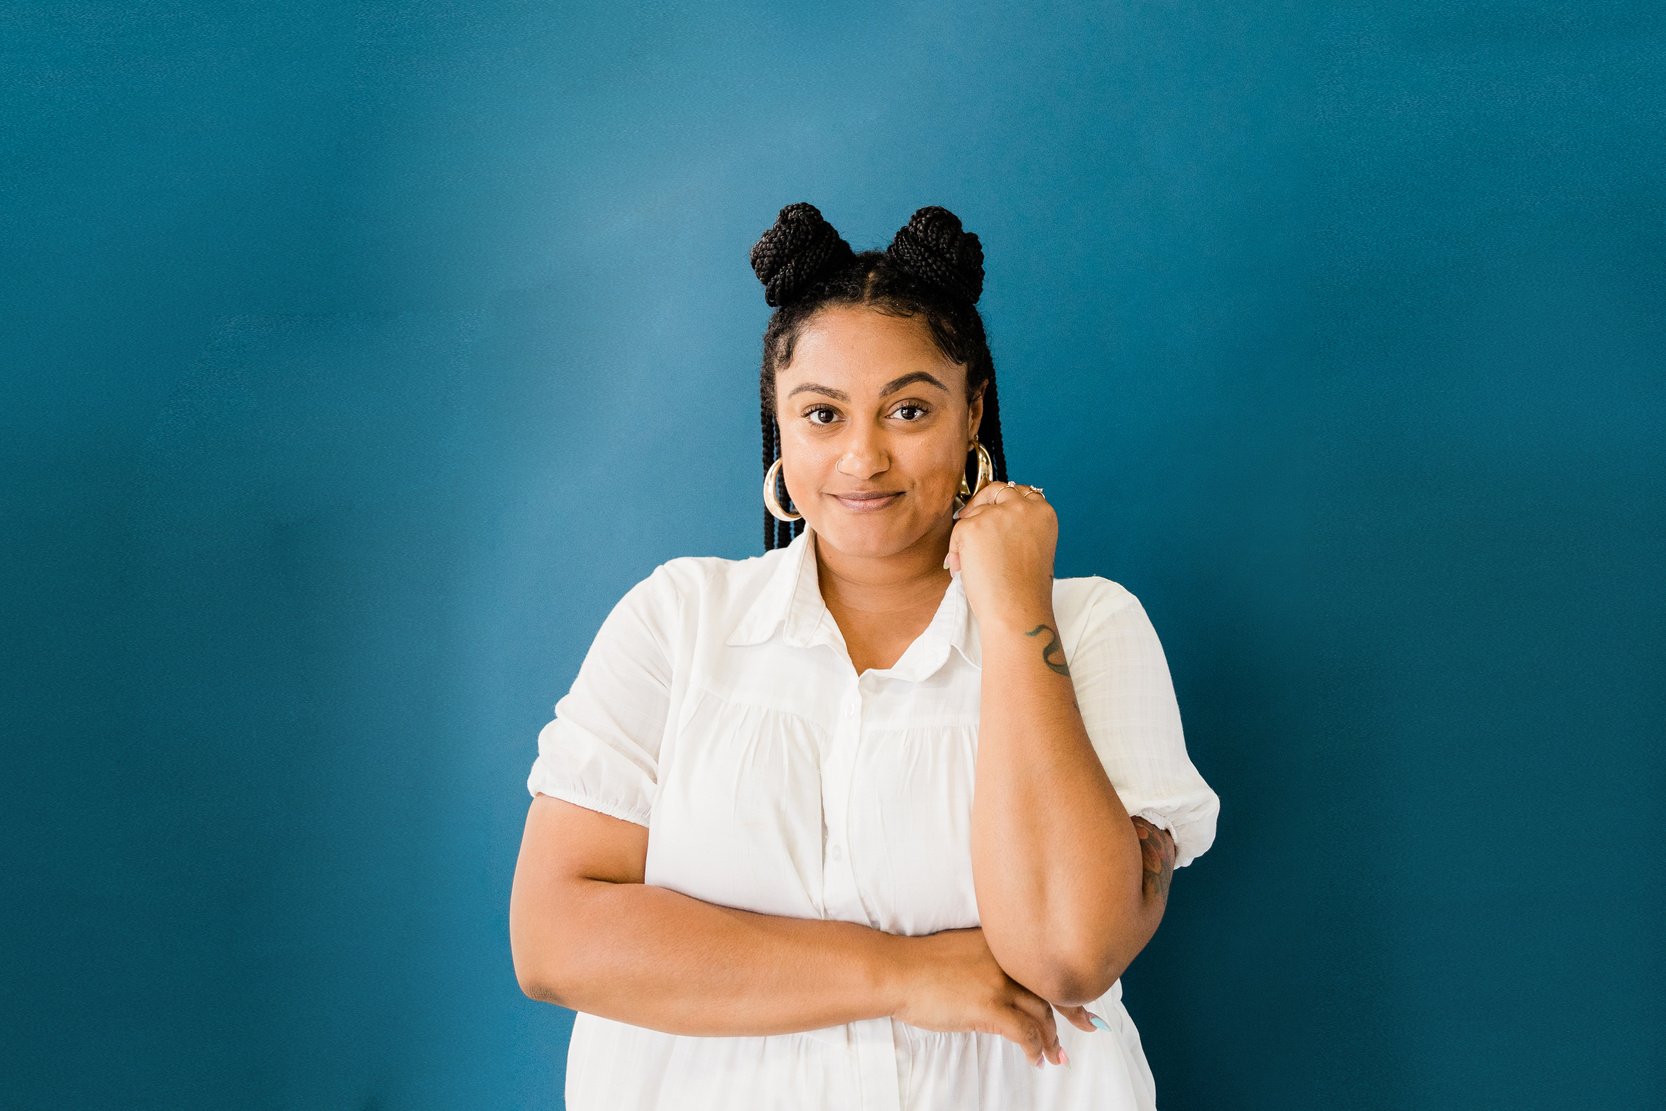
[850,823]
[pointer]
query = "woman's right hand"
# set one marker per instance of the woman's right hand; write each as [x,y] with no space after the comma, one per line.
[951,983]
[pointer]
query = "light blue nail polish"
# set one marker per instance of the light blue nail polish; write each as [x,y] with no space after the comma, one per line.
[1099,1022]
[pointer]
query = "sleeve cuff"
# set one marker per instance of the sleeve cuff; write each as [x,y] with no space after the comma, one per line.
[540,783]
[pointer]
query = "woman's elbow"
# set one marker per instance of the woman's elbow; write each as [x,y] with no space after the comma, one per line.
[530,973]
[1092,969]
[1076,985]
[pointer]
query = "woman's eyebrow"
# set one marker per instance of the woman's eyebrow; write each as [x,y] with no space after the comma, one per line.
[890,387]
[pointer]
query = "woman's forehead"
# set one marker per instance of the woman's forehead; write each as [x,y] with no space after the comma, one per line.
[864,346]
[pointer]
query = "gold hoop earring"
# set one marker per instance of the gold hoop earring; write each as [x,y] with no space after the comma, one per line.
[772,504]
[986,474]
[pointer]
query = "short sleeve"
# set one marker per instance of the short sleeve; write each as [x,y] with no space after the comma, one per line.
[601,750]
[1127,700]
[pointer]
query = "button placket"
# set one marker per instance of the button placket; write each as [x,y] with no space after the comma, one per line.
[840,894]
[874,1039]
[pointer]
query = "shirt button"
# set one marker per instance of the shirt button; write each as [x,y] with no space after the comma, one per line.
[836,853]
[850,709]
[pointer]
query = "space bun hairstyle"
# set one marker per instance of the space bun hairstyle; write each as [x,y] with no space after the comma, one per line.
[800,247]
[932,268]
[934,246]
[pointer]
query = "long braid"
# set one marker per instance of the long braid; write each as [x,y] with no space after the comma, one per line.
[768,418]
[783,529]
[777,534]
[989,435]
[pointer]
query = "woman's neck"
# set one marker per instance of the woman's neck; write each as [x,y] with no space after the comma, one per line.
[886,588]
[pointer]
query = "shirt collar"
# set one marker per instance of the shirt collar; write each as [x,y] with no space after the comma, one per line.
[789,605]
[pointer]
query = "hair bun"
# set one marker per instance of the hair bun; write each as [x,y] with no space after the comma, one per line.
[799,248]
[934,247]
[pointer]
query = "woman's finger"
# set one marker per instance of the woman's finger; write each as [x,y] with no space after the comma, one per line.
[1078,1017]
[1041,1012]
[986,495]
[994,493]
[1024,1031]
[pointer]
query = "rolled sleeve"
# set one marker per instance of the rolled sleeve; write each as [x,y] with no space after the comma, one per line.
[1126,695]
[601,750]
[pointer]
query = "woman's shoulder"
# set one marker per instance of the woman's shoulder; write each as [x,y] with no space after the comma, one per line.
[1074,598]
[699,583]
[699,574]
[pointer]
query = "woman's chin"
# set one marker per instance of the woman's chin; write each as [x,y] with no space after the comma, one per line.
[876,536]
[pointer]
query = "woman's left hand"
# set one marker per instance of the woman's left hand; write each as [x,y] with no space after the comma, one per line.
[1002,546]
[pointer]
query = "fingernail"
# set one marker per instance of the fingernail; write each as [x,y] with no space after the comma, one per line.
[1064,1058]
[945,563]
[1097,1021]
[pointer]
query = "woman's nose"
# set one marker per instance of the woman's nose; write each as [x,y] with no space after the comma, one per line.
[864,454]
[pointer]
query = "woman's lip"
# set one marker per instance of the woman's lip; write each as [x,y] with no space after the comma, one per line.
[867,505]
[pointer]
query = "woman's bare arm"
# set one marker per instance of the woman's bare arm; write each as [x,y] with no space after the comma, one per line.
[587,934]
[655,957]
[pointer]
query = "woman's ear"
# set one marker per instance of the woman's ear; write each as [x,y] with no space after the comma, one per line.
[974,415]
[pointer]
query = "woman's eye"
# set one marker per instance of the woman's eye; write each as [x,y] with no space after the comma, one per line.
[810,414]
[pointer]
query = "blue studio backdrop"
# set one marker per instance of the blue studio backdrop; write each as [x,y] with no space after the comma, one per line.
[355,358]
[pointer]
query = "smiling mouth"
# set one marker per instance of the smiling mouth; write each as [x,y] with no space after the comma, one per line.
[867,504]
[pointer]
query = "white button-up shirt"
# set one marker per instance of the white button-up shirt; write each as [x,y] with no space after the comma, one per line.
[718,707]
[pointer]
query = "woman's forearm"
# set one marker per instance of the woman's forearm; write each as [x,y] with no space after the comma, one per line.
[657,958]
[1056,860]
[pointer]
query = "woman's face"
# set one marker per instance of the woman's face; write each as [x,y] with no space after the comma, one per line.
[870,404]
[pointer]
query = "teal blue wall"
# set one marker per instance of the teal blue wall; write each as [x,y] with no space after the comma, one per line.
[354,360]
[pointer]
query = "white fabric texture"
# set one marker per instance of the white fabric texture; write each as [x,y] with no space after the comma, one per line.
[718,707]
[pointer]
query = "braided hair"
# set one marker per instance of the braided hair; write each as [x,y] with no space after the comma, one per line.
[932,267]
